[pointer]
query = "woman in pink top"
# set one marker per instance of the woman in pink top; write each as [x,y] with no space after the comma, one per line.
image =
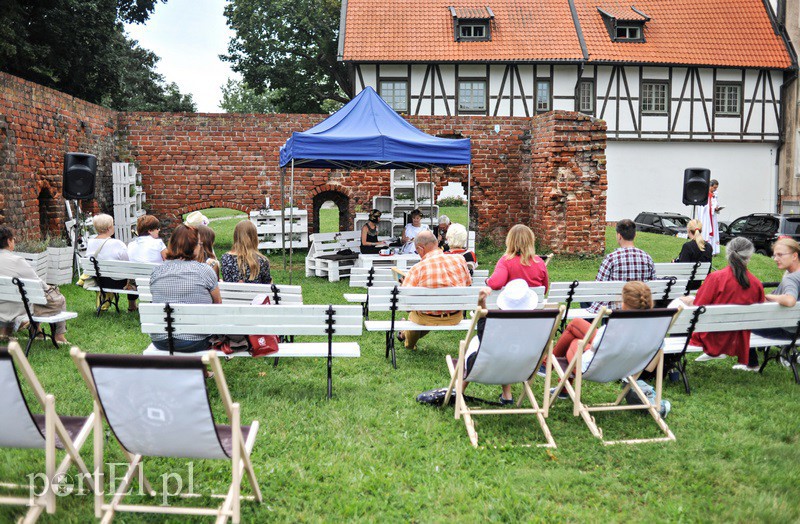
[520,261]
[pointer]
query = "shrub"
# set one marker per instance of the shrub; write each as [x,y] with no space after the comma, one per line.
[452,202]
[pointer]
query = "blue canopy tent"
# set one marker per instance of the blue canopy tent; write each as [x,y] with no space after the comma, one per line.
[368,134]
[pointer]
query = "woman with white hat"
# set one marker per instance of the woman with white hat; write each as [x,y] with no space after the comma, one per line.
[515,296]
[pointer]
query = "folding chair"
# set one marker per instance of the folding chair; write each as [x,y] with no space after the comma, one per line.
[22,429]
[510,352]
[158,407]
[631,341]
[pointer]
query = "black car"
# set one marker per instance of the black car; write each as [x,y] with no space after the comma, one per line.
[662,223]
[763,229]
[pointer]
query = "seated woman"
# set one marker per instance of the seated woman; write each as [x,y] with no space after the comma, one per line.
[457,239]
[695,249]
[206,237]
[181,279]
[244,263]
[370,245]
[105,247]
[635,295]
[12,314]
[733,284]
[147,247]
[412,230]
[520,261]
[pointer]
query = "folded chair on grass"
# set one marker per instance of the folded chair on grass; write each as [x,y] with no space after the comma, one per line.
[510,352]
[630,341]
[19,428]
[158,407]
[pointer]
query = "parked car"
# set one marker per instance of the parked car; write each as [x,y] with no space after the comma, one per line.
[763,229]
[662,223]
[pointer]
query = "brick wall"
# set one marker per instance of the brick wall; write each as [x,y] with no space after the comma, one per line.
[37,126]
[547,172]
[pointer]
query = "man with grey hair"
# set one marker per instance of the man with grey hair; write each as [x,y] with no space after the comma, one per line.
[441,232]
[435,270]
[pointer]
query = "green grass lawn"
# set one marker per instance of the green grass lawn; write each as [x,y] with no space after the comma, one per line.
[373,454]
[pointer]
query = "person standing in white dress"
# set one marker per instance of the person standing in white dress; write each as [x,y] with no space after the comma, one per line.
[412,230]
[709,217]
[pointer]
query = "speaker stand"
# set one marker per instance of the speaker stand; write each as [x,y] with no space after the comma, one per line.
[694,212]
[76,228]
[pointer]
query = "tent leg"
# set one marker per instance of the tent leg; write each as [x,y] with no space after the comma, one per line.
[469,203]
[283,216]
[291,225]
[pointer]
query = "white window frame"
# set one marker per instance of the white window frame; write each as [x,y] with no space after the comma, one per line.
[726,93]
[654,93]
[549,101]
[392,99]
[632,32]
[588,97]
[467,85]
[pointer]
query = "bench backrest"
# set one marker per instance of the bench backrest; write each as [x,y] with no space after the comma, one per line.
[423,299]
[229,319]
[683,270]
[118,269]
[736,318]
[330,243]
[594,291]
[240,293]
[9,291]
[383,277]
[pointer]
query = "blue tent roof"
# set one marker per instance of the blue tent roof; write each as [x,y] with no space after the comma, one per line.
[368,134]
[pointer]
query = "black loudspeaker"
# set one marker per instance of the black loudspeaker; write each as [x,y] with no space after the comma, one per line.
[695,186]
[79,174]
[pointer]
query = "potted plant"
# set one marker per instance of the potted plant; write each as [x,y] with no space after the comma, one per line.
[59,261]
[35,252]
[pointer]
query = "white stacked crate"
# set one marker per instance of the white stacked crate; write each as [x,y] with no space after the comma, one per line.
[128,199]
[406,195]
[270,234]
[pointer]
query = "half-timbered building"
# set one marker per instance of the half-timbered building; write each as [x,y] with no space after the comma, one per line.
[679,83]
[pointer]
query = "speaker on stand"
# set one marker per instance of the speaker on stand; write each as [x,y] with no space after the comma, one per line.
[80,170]
[695,187]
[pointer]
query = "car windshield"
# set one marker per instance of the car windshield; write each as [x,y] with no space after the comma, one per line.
[791,226]
[677,222]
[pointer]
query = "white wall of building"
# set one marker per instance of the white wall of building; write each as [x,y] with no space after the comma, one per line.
[648,176]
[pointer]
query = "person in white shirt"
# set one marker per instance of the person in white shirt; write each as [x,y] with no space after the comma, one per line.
[412,230]
[105,247]
[147,247]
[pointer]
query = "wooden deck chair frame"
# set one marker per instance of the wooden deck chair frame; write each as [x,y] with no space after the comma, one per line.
[585,411]
[241,449]
[54,429]
[456,385]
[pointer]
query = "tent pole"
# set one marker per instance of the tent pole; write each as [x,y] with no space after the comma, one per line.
[283,216]
[291,224]
[469,201]
[430,204]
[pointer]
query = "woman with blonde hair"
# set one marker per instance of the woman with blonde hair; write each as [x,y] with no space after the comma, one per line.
[696,249]
[206,255]
[520,261]
[244,263]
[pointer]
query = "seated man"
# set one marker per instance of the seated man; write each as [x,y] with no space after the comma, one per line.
[625,263]
[435,270]
[441,232]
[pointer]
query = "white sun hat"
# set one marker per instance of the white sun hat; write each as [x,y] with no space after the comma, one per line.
[196,218]
[517,295]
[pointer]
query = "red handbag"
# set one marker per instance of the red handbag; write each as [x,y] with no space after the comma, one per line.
[262,345]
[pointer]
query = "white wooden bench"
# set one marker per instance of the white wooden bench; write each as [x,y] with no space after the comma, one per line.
[694,272]
[707,319]
[117,270]
[384,277]
[577,292]
[240,293]
[326,244]
[29,292]
[286,320]
[396,299]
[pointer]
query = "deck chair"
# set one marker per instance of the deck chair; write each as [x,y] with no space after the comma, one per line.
[158,407]
[510,352]
[22,429]
[631,341]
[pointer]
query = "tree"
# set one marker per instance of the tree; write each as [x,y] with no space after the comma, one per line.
[79,47]
[289,47]
[238,97]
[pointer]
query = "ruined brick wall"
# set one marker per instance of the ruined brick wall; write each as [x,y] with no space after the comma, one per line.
[37,126]
[547,172]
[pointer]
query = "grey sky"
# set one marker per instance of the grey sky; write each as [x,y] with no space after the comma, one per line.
[189,35]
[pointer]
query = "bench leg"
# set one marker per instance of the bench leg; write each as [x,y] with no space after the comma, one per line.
[681,365]
[330,377]
[390,348]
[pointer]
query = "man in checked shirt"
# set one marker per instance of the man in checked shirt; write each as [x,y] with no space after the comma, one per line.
[625,263]
[435,270]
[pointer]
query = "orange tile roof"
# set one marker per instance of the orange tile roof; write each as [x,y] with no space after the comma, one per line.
[472,12]
[621,11]
[734,33]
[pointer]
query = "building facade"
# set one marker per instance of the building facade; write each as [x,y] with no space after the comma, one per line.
[678,84]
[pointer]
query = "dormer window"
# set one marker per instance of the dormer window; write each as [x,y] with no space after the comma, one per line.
[472,24]
[624,24]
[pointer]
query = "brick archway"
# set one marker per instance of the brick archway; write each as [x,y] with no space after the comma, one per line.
[49,211]
[340,196]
